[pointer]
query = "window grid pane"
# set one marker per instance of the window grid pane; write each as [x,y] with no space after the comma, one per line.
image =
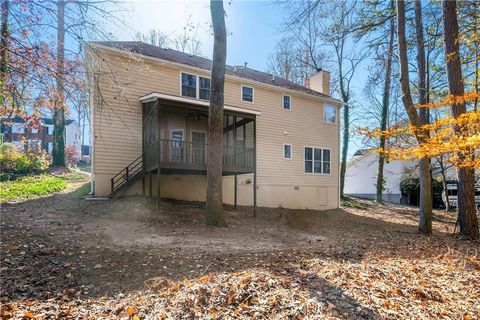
[189,85]
[204,88]
[287,151]
[286,102]
[247,94]
[330,114]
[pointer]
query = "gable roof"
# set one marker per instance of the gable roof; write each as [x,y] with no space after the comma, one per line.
[204,63]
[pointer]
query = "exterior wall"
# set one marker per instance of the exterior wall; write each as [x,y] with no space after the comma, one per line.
[117,134]
[361,177]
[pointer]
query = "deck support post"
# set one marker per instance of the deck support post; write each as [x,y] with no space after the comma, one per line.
[159,157]
[150,183]
[255,167]
[235,197]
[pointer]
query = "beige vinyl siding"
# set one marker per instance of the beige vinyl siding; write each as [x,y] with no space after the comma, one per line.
[117,132]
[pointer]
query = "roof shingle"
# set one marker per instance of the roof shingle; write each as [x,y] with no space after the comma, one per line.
[204,63]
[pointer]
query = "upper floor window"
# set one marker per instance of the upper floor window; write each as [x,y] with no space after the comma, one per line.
[317,160]
[247,94]
[49,130]
[18,128]
[195,86]
[34,130]
[189,85]
[287,103]
[204,88]
[287,151]
[329,113]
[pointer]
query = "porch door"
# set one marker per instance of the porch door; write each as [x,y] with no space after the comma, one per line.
[198,147]
[176,152]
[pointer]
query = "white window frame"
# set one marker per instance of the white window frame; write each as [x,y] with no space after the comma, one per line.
[34,130]
[253,94]
[313,161]
[291,151]
[283,102]
[170,138]
[197,85]
[325,105]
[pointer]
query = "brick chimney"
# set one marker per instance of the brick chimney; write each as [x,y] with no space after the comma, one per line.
[320,81]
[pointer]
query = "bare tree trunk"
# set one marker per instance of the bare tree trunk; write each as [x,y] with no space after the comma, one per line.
[58,152]
[345,138]
[3,49]
[214,203]
[424,167]
[385,105]
[425,224]
[466,181]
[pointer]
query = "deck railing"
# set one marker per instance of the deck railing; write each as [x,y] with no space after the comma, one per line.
[187,154]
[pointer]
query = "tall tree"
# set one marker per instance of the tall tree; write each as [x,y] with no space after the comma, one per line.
[425,224]
[415,120]
[5,7]
[466,181]
[58,152]
[214,199]
[385,107]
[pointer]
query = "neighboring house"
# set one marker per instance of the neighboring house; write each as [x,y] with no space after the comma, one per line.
[25,136]
[281,140]
[362,170]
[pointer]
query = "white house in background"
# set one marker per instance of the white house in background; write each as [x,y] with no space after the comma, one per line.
[361,176]
[23,135]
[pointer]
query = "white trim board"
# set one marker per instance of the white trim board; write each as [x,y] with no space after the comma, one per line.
[155,95]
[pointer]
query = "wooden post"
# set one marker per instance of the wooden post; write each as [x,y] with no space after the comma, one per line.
[150,183]
[235,197]
[255,167]
[235,141]
[159,158]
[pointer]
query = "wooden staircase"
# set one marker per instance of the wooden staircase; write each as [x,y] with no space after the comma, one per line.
[128,176]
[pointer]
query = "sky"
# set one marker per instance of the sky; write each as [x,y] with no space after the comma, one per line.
[253,27]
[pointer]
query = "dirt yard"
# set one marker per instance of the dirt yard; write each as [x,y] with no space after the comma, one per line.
[65,257]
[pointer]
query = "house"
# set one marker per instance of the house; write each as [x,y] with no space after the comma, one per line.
[24,135]
[362,170]
[149,116]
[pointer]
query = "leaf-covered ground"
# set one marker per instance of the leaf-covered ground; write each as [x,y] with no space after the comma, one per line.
[62,256]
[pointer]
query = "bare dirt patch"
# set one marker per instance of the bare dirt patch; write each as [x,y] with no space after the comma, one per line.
[63,256]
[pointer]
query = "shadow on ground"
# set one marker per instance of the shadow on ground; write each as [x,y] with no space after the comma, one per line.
[63,246]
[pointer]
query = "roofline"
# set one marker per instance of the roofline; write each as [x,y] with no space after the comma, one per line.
[155,95]
[120,51]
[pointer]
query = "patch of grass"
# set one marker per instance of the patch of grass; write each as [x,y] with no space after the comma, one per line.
[32,186]
[73,176]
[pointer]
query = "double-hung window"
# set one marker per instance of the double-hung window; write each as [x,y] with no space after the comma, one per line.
[317,160]
[247,94]
[189,85]
[329,114]
[204,93]
[195,86]
[287,103]
[287,151]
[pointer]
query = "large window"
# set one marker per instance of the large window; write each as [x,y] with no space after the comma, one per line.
[287,103]
[329,114]
[195,86]
[317,160]
[247,94]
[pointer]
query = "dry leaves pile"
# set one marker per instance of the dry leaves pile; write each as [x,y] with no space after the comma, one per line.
[366,262]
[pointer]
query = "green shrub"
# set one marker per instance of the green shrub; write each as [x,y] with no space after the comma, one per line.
[32,186]
[16,162]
